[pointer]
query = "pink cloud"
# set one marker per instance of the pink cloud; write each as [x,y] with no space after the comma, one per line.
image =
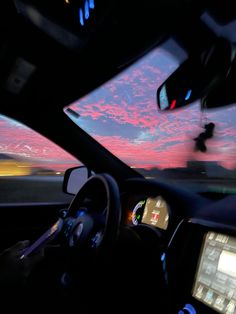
[24,143]
[118,114]
[150,154]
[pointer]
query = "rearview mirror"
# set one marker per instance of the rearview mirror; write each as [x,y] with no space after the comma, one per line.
[181,88]
[75,178]
[196,77]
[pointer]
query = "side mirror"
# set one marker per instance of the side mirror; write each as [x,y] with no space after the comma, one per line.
[75,178]
[197,77]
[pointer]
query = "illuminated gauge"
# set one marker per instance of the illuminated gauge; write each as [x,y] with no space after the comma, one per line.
[156,213]
[137,213]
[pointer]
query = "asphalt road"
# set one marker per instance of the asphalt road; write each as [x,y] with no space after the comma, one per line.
[32,189]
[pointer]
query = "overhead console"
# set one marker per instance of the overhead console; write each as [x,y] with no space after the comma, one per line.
[201,269]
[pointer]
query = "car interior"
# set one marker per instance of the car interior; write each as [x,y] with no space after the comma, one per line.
[114,238]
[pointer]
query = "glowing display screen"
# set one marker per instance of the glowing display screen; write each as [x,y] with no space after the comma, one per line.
[215,282]
[156,213]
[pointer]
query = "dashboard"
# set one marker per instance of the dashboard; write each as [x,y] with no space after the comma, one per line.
[199,261]
[196,242]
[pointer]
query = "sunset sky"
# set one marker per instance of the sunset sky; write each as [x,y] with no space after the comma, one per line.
[20,142]
[123,116]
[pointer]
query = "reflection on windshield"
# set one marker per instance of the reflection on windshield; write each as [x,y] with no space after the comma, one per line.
[123,116]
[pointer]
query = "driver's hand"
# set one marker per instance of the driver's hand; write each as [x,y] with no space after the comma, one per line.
[14,270]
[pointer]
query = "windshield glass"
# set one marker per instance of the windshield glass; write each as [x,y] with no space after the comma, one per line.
[122,115]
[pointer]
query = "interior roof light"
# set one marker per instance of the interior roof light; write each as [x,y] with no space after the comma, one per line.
[91,4]
[86,10]
[81,17]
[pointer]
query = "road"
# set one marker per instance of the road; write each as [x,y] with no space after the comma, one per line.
[49,188]
[32,189]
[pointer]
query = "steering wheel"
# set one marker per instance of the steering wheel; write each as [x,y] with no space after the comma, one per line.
[91,224]
[93,218]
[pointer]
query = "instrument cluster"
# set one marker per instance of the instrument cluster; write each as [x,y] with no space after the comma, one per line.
[153,211]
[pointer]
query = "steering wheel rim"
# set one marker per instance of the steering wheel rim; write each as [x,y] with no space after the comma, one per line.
[82,226]
[69,263]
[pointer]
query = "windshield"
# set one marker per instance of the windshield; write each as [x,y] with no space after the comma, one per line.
[122,115]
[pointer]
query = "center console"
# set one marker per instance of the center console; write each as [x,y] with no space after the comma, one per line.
[215,282]
[201,269]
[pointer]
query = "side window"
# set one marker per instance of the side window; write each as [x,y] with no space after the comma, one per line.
[31,166]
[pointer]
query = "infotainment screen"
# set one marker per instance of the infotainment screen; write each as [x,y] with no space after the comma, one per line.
[215,281]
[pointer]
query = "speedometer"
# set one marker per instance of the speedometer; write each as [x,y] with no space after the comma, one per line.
[151,211]
[137,213]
